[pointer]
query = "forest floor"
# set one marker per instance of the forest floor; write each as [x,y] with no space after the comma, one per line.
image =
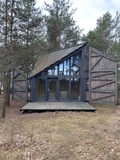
[60,135]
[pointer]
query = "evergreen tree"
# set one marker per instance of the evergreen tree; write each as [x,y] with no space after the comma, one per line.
[103,35]
[62,30]
[116,44]
[4,29]
[29,30]
[7,25]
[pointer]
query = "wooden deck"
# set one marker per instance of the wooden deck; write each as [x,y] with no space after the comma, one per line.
[57,106]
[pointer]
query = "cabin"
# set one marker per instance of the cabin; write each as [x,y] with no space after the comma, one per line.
[70,75]
[60,76]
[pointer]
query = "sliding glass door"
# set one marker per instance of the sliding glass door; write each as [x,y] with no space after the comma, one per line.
[52,89]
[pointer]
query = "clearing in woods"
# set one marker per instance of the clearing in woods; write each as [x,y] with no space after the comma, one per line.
[60,135]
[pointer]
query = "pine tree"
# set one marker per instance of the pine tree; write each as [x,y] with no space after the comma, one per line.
[103,35]
[4,10]
[116,44]
[62,30]
[29,30]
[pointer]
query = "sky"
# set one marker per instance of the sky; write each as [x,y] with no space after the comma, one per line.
[88,11]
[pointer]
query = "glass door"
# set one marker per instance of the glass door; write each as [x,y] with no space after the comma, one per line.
[52,89]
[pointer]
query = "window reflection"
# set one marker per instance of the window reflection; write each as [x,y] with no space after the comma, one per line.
[75,89]
[52,90]
[75,65]
[40,89]
[64,68]
[53,71]
[64,89]
[61,69]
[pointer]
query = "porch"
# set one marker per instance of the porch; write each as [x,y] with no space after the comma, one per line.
[57,106]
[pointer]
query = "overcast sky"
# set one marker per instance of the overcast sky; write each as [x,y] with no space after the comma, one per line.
[89,10]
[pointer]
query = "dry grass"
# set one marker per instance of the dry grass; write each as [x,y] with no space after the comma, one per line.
[61,135]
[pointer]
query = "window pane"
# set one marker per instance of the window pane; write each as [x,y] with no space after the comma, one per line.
[61,69]
[40,89]
[75,65]
[52,90]
[53,71]
[66,67]
[75,89]
[64,89]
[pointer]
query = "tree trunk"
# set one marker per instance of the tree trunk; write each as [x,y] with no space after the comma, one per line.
[8,88]
[5,65]
[10,55]
[5,96]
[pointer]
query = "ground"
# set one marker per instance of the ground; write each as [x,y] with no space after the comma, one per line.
[60,135]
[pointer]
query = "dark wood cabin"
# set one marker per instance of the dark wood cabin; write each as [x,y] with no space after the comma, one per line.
[60,76]
[68,75]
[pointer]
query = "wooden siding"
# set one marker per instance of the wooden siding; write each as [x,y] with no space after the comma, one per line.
[102,78]
[19,86]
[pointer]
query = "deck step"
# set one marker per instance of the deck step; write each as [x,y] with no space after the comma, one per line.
[57,106]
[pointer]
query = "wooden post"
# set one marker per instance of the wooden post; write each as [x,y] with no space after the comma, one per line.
[83,75]
[33,89]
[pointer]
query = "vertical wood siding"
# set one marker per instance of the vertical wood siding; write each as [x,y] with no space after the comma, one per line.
[19,86]
[102,78]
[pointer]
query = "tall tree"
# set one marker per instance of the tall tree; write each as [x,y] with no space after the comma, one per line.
[29,29]
[11,17]
[102,36]
[4,31]
[7,24]
[62,30]
[116,44]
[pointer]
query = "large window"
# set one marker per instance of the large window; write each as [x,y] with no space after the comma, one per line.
[64,89]
[53,71]
[52,89]
[64,68]
[75,89]
[40,89]
[62,82]
[75,65]
[61,70]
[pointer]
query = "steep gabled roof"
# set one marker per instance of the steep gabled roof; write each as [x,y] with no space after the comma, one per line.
[44,61]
